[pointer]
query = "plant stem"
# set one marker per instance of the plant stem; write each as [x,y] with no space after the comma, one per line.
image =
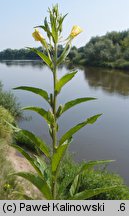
[55,120]
[55,101]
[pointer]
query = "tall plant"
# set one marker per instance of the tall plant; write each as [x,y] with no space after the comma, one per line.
[47,166]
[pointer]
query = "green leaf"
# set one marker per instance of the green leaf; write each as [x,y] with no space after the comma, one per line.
[28,157]
[16,129]
[37,182]
[87,194]
[45,28]
[74,186]
[38,142]
[72,103]
[42,56]
[61,21]
[84,168]
[73,130]
[90,164]
[66,78]
[47,115]
[41,26]
[40,163]
[53,26]
[59,111]
[64,54]
[58,155]
[37,91]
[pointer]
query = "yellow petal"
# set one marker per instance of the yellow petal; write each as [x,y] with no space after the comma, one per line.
[37,36]
[75,31]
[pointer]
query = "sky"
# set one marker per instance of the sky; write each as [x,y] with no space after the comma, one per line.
[95,17]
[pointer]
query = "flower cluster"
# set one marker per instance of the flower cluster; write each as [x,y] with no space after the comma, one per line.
[76,30]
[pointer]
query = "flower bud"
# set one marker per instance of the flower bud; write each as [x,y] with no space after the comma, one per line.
[75,31]
[37,36]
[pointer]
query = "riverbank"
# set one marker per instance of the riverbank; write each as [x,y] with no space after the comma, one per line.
[11,187]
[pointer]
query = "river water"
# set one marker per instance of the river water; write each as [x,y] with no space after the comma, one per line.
[108,138]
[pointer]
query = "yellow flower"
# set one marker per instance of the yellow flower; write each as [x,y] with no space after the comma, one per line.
[75,31]
[37,36]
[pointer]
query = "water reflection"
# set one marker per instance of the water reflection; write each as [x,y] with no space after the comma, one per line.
[23,63]
[111,81]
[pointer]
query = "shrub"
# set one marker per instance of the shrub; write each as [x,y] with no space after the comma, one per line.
[9,102]
[91,179]
[122,64]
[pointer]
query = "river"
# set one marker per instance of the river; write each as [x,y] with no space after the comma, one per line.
[108,138]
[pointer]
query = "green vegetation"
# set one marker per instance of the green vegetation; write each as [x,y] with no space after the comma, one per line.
[5,130]
[9,102]
[10,111]
[20,139]
[110,50]
[48,166]
[8,184]
[21,54]
[91,179]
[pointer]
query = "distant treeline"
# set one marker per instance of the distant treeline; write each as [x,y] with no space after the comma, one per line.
[21,54]
[110,50]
